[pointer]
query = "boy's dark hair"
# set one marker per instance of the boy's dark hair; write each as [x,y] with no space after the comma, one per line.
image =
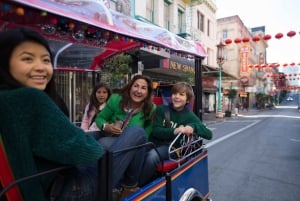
[181,87]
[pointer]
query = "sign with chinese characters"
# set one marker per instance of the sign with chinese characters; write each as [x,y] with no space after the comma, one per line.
[244,54]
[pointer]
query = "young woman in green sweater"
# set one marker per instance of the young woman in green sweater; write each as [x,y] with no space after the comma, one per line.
[35,133]
[182,120]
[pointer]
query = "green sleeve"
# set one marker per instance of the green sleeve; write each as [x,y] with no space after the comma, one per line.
[109,112]
[53,136]
[199,128]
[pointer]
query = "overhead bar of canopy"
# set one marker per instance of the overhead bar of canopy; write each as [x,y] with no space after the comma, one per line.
[95,13]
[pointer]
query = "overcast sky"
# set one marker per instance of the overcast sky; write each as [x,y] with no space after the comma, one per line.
[277,16]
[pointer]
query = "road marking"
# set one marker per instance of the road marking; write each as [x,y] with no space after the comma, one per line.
[210,144]
[295,140]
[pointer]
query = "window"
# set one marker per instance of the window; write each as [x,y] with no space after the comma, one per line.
[150,10]
[180,21]
[167,15]
[224,34]
[200,21]
[208,28]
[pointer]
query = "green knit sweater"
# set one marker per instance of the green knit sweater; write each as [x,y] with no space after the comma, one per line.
[38,136]
[164,135]
[112,111]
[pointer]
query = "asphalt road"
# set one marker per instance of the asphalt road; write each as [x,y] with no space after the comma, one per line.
[256,156]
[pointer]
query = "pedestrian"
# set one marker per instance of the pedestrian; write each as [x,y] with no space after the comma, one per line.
[245,106]
[126,121]
[181,120]
[100,94]
[35,133]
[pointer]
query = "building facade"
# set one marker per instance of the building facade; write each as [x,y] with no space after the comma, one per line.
[244,58]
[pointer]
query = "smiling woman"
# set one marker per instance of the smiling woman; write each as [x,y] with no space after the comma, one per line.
[30,64]
[126,121]
[26,60]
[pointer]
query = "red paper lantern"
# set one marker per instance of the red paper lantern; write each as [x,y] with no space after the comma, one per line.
[228,41]
[255,38]
[271,65]
[53,21]
[277,65]
[279,35]
[246,40]
[237,40]
[267,37]
[257,66]
[263,65]
[20,11]
[291,33]
[285,65]
[250,66]
[292,64]
[71,25]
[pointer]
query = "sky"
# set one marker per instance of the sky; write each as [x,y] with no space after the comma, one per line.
[277,16]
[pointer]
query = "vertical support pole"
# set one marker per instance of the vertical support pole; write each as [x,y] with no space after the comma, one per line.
[220,89]
[198,88]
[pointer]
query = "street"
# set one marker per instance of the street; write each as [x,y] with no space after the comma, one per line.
[256,156]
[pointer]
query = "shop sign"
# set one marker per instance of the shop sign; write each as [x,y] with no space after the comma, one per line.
[244,80]
[181,67]
[244,54]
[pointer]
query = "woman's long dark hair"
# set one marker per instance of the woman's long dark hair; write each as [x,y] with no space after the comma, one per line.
[9,40]
[125,92]
[93,99]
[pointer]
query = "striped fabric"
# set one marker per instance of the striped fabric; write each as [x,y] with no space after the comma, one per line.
[6,175]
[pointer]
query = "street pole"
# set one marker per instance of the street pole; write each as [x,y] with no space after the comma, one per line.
[220,90]
[220,61]
[198,88]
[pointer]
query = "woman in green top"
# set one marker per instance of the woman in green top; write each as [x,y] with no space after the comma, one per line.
[35,133]
[127,119]
[182,120]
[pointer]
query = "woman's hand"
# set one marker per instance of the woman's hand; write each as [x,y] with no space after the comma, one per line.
[111,128]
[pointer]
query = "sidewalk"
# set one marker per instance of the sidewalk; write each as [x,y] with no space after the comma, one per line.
[210,118]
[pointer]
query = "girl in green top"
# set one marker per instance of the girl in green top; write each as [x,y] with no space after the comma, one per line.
[35,133]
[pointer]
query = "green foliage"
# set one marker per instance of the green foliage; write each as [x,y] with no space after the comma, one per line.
[231,95]
[261,99]
[188,77]
[118,70]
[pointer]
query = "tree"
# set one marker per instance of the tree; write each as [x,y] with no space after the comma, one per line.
[231,95]
[118,70]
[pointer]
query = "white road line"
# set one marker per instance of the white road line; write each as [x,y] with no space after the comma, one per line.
[295,140]
[210,144]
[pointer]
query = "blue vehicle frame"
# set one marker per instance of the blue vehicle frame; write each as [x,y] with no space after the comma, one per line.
[187,181]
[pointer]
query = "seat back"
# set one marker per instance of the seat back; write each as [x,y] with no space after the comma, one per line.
[6,175]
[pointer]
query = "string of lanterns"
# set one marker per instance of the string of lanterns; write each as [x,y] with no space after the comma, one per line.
[289,88]
[273,65]
[257,38]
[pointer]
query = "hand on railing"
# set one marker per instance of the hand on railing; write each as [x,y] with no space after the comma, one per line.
[184,146]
